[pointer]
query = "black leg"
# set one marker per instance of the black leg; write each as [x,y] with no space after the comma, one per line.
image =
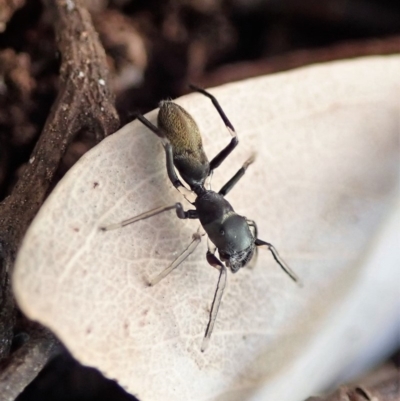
[234,180]
[176,182]
[221,156]
[182,214]
[216,105]
[215,262]
[278,259]
[150,126]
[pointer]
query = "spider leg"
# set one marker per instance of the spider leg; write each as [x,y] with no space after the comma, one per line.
[279,260]
[182,214]
[215,262]
[173,177]
[224,153]
[196,239]
[234,180]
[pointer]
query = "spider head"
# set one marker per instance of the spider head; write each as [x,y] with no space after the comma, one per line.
[237,244]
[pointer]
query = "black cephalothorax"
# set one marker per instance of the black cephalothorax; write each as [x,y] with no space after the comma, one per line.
[234,236]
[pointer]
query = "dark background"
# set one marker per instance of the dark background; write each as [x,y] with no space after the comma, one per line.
[154,49]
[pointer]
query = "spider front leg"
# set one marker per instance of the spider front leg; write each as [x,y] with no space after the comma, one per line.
[260,243]
[196,239]
[214,262]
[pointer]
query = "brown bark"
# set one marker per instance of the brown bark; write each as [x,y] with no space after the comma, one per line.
[84,104]
[382,384]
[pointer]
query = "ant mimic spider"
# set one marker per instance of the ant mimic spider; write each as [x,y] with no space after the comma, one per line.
[233,235]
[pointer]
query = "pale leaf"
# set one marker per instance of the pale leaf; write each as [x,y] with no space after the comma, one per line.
[323,190]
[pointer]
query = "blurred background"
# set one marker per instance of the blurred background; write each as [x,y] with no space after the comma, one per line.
[154,49]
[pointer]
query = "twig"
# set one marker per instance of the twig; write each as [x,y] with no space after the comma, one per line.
[24,364]
[84,103]
[381,385]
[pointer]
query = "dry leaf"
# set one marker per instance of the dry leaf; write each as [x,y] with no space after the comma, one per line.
[323,190]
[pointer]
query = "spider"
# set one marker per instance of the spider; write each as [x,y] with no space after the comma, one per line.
[234,236]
